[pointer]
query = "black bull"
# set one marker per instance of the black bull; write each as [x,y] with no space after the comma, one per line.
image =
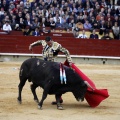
[47,75]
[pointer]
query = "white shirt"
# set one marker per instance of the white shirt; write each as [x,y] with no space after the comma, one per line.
[1,12]
[7,27]
[82,36]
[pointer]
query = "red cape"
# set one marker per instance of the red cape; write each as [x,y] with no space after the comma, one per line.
[94,98]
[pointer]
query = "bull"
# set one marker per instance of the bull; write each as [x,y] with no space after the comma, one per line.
[46,74]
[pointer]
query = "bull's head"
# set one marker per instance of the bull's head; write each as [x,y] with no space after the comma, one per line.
[79,92]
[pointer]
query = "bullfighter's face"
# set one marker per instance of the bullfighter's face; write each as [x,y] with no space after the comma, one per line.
[49,43]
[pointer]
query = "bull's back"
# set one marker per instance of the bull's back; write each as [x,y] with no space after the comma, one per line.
[27,66]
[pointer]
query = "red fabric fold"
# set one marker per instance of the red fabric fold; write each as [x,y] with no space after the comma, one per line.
[94,98]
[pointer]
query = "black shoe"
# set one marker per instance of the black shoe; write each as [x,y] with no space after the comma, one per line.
[54,102]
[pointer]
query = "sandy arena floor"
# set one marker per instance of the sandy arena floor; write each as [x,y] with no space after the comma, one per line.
[104,76]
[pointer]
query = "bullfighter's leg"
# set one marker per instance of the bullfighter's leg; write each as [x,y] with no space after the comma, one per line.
[54,102]
[58,99]
[33,88]
[20,87]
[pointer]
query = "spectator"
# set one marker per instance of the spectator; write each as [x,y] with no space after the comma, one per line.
[7,27]
[17,27]
[113,10]
[116,19]
[58,24]
[13,22]
[44,30]
[106,36]
[118,2]
[27,31]
[11,5]
[87,25]
[1,3]
[2,11]
[35,23]
[76,31]
[94,35]
[72,24]
[27,5]
[108,16]
[28,21]
[33,15]
[85,18]
[10,14]
[118,11]
[5,5]
[98,17]
[83,35]
[70,10]
[65,25]
[1,15]
[36,32]
[47,22]
[52,23]
[109,24]
[21,23]
[102,27]
[94,23]
[80,25]
[80,18]
[6,18]
[20,15]
[116,31]
[101,19]
[97,9]
[57,17]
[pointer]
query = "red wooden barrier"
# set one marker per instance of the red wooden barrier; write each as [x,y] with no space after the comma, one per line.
[20,44]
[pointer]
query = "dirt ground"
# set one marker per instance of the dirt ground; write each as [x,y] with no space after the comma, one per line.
[104,76]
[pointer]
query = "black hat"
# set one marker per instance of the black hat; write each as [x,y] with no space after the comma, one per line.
[47,39]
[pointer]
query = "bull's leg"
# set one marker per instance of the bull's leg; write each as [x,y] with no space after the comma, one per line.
[58,98]
[20,87]
[44,96]
[33,88]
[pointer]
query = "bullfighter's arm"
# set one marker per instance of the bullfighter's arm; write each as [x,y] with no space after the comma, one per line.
[66,52]
[39,42]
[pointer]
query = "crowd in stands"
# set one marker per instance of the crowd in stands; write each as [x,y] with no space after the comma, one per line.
[32,15]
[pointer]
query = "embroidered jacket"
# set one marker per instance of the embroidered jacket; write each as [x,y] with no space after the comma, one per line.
[49,53]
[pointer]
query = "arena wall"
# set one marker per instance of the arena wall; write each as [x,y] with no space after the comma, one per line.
[83,50]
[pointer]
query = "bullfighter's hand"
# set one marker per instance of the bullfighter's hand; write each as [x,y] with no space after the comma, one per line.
[30,47]
[70,64]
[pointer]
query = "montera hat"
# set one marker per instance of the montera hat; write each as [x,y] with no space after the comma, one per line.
[48,38]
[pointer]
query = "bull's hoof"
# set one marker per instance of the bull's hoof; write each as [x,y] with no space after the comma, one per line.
[60,108]
[82,99]
[39,107]
[37,101]
[19,101]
